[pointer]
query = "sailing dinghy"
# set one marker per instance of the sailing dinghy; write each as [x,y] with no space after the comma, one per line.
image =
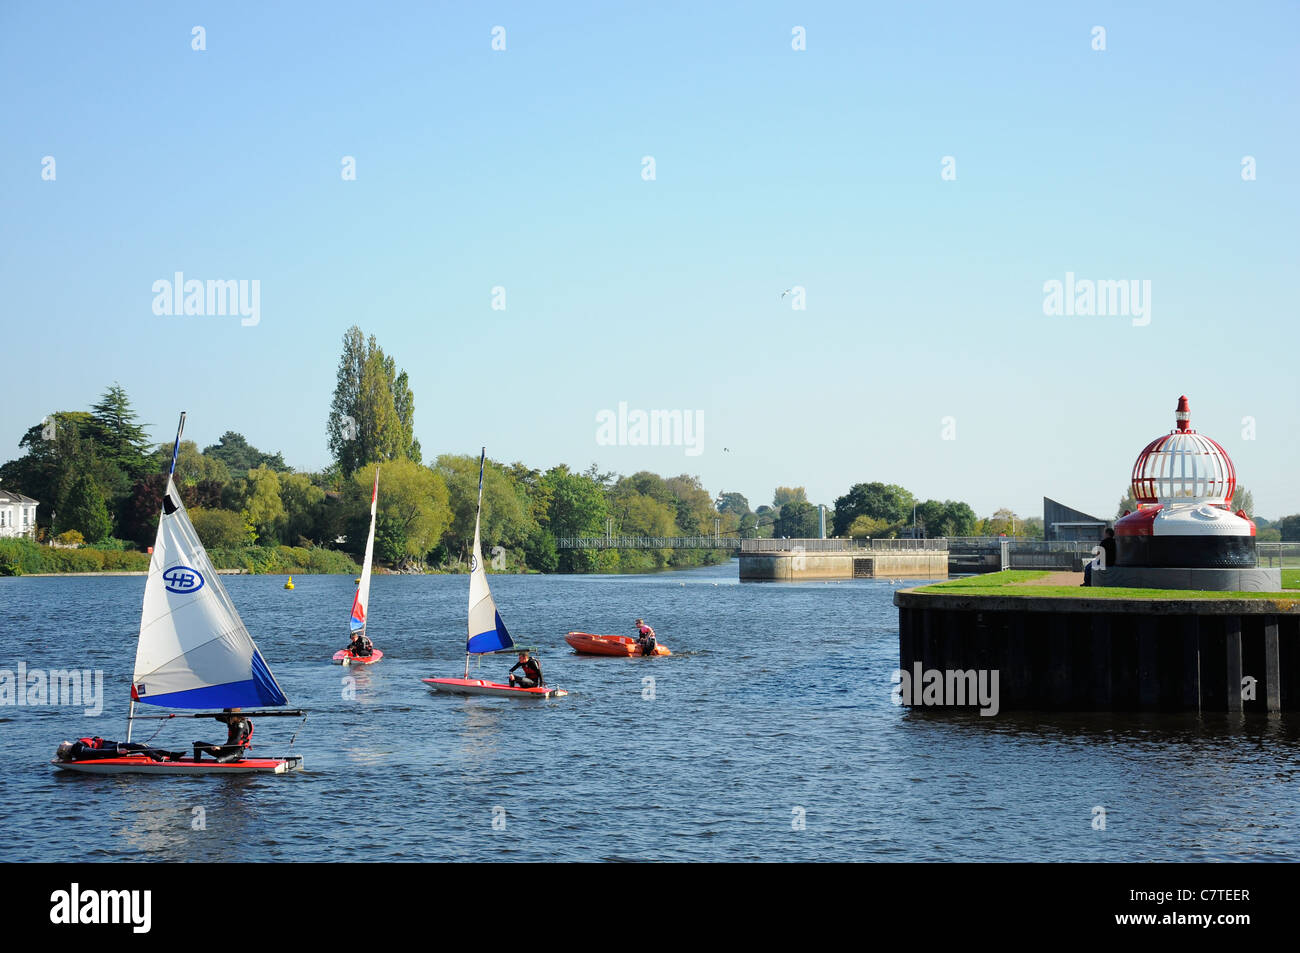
[487,633]
[193,653]
[361,601]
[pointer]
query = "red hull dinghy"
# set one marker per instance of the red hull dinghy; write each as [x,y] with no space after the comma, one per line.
[193,652]
[487,633]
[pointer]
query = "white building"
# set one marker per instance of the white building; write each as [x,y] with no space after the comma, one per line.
[17,514]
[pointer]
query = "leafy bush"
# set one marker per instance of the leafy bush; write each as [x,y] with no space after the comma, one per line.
[18,556]
[122,561]
[284,559]
[72,560]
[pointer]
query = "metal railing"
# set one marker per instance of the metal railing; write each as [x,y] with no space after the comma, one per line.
[1275,555]
[648,542]
[1066,555]
[842,545]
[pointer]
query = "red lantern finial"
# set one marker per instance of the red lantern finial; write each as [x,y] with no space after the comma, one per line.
[1182,416]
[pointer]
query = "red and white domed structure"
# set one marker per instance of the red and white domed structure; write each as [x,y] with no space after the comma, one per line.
[1183,483]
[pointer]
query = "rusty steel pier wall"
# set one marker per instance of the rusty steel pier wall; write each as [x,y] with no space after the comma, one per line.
[1091,654]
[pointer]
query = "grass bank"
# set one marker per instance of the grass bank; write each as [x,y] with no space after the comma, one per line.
[1011,582]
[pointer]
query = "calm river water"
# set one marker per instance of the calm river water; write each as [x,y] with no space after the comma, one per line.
[769,735]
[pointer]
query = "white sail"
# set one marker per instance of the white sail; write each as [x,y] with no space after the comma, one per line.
[487,633]
[194,651]
[361,602]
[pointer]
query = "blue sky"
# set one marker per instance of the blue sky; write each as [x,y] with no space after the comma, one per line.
[774,168]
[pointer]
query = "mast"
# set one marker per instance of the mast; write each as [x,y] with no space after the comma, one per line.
[478,512]
[176,449]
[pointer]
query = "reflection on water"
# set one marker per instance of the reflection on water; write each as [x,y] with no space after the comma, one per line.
[777,697]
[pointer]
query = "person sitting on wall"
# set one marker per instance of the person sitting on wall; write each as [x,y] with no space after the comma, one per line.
[1105,559]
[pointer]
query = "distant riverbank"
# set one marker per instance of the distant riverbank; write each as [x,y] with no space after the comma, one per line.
[24,557]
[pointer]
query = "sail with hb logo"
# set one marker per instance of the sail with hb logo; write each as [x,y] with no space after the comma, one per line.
[487,633]
[361,601]
[194,651]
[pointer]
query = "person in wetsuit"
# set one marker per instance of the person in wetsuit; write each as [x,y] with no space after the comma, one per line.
[239,731]
[645,637]
[532,672]
[361,646]
[98,749]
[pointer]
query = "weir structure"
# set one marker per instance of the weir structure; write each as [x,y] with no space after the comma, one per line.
[790,560]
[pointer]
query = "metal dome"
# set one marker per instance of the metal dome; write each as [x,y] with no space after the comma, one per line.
[1184,466]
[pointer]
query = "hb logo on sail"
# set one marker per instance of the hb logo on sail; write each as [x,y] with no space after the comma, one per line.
[182,580]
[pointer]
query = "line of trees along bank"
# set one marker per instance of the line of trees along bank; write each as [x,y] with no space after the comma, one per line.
[100,481]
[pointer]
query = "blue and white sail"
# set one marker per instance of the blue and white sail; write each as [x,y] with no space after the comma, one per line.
[487,633]
[194,651]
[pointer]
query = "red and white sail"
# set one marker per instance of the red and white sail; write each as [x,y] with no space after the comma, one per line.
[361,601]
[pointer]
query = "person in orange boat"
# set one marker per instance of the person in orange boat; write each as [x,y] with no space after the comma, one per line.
[645,637]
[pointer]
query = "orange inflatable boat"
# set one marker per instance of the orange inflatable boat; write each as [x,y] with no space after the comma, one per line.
[588,644]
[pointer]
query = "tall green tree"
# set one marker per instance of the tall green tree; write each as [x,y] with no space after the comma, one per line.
[372,416]
[118,438]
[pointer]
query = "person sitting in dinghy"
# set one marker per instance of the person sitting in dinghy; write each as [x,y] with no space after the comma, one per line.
[98,749]
[532,674]
[361,646]
[239,733]
[645,637]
